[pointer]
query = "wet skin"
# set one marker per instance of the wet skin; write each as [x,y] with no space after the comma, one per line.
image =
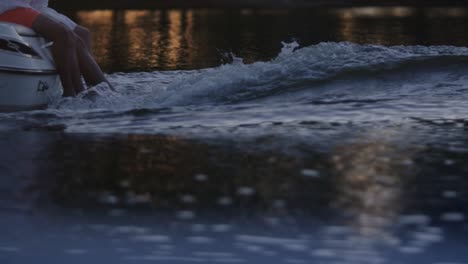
[71,52]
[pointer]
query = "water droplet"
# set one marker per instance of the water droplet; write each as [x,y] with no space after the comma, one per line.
[117,212]
[411,250]
[449,194]
[108,198]
[246,191]
[188,199]
[428,237]
[201,177]
[130,229]
[225,201]
[200,240]
[407,162]
[449,162]
[123,250]
[198,228]
[134,199]
[221,228]
[310,173]
[153,238]
[295,247]
[272,160]
[9,249]
[279,204]
[453,217]
[76,251]
[185,215]
[414,220]
[323,253]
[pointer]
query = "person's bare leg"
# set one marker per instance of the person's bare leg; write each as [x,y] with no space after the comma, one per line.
[65,58]
[93,75]
[91,71]
[85,36]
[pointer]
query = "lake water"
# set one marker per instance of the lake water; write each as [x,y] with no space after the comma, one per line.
[249,136]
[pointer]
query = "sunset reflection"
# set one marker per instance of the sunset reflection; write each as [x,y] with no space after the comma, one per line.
[95,17]
[446,12]
[381,25]
[140,39]
[100,23]
[369,179]
[376,12]
[151,38]
[369,182]
[179,39]
[175,38]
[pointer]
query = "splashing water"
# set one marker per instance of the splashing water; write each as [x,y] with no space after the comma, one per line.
[328,82]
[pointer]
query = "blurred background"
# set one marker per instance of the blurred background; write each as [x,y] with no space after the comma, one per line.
[149,35]
[89,4]
[261,131]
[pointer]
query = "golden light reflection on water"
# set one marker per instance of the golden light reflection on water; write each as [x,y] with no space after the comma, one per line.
[138,36]
[361,24]
[376,12]
[369,180]
[133,16]
[369,184]
[446,12]
[100,21]
[175,38]
[385,25]
[145,38]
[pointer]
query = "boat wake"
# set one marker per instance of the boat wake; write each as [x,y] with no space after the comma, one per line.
[328,82]
[326,72]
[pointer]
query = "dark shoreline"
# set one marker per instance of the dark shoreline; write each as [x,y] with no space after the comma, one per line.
[275,4]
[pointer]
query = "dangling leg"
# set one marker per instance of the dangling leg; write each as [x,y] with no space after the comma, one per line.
[91,71]
[85,36]
[93,75]
[63,51]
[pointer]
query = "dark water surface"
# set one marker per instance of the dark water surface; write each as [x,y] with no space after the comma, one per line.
[348,145]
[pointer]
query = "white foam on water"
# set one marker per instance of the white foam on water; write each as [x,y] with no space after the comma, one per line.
[327,82]
[232,81]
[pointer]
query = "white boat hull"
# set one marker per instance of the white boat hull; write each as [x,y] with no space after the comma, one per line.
[28,79]
[20,92]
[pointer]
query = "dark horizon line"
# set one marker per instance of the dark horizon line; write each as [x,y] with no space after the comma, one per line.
[291,4]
